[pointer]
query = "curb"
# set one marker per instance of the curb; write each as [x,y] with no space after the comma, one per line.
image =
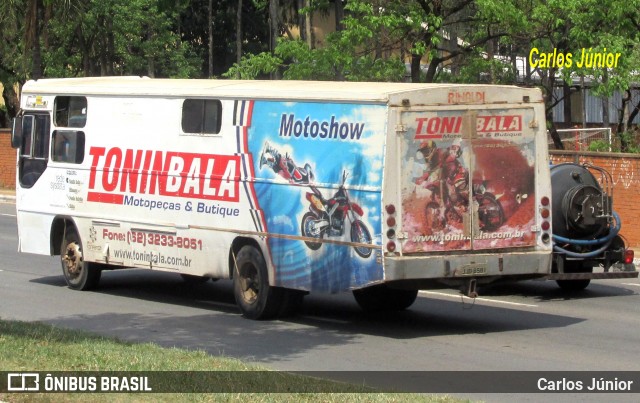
[7,198]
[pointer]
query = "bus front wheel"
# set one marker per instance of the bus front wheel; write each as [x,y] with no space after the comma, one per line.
[253,294]
[78,274]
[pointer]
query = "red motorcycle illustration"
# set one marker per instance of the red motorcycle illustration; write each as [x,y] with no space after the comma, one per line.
[327,218]
[449,204]
[448,182]
[490,212]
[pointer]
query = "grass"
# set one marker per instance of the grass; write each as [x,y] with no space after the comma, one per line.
[35,347]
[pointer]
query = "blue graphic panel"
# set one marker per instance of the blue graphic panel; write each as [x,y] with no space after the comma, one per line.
[318,170]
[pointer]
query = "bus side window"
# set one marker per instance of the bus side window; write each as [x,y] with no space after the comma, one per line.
[70,111]
[68,146]
[201,116]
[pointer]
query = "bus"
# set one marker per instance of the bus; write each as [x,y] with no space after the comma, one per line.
[286,187]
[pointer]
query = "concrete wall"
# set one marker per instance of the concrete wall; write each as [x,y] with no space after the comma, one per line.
[625,170]
[7,161]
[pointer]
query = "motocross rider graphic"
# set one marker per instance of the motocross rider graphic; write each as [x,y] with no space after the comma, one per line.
[448,181]
[285,166]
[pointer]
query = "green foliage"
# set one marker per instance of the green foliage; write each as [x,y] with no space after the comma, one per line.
[336,61]
[599,145]
[116,37]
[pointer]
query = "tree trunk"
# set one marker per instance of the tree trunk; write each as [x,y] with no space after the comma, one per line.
[274,23]
[36,54]
[11,101]
[308,25]
[415,67]
[339,11]
[239,35]
[210,30]
[566,97]
[547,83]
[622,121]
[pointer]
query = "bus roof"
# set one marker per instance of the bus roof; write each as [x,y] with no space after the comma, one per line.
[374,92]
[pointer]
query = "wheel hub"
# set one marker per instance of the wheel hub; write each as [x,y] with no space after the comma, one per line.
[73,258]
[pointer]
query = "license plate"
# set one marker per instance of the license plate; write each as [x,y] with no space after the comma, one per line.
[472,270]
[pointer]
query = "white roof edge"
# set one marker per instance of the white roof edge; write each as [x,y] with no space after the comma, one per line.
[255,89]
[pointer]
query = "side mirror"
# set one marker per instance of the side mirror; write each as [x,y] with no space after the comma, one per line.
[16,132]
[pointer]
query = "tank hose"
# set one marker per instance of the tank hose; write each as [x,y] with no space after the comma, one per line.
[582,242]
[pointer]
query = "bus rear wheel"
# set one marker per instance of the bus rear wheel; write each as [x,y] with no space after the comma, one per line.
[253,294]
[78,274]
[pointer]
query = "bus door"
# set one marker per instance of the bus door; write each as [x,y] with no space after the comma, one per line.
[31,136]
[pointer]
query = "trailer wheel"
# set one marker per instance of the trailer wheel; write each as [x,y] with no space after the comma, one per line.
[255,297]
[574,285]
[79,275]
[383,298]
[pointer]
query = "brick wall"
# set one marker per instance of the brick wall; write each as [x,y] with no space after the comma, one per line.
[625,171]
[7,161]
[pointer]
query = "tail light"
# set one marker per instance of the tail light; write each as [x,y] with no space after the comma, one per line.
[391,227]
[628,256]
[545,214]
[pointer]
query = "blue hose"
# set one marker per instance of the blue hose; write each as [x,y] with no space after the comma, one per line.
[582,255]
[582,242]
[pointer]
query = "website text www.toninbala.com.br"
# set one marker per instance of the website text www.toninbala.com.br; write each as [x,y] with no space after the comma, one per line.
[461,237]
[155,258]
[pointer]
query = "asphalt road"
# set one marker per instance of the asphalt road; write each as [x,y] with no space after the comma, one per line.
[529,326]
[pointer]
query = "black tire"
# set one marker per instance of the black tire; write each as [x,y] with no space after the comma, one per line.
[78,274]
[253,294]
[383,298]
[194,280]
[360,234]
[304,230]
[574,285]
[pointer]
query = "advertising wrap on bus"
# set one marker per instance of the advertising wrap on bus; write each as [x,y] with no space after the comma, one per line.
[469,180]
[313,147]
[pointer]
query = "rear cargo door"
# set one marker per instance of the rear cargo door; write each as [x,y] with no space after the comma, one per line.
[468,179]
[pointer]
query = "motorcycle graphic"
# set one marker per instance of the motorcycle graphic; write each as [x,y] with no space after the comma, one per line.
[490,212]
[449,204]
[327,217]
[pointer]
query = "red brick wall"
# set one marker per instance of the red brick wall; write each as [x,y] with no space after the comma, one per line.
[625,170]
[7,161]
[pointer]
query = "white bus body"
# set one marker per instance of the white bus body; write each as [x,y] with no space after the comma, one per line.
[287,187]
